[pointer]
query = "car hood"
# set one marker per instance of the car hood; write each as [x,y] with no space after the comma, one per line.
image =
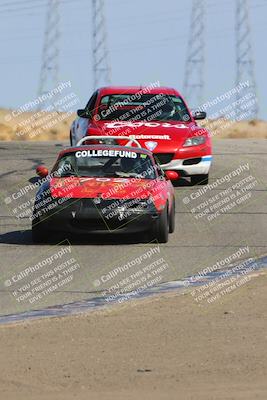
[155,136]
[106,188]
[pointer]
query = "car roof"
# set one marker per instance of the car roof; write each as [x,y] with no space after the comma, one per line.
[104,147]
[134,89]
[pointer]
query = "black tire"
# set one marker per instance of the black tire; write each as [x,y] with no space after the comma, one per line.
[172,218]
[39,234]
[200,179]
[162,227]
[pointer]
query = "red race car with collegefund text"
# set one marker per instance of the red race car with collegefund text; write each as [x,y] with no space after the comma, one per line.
[158,117]
[105,189]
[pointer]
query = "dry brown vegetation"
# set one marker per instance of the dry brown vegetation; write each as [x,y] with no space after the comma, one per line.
[56,126]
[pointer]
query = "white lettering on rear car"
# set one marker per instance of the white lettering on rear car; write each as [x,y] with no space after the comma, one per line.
[122,124]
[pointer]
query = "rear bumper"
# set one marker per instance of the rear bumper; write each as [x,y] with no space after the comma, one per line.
[202,166]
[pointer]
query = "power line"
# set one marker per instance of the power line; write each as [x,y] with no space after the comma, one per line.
[15,3]
[32,7]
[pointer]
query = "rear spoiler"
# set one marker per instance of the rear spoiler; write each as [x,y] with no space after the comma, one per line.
[132,140]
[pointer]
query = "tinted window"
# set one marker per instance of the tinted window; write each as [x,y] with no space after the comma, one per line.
[106,163]
[91,104]
[145,107]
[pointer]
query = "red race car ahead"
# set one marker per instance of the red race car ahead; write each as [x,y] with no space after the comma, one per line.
[105,188]
[158,117]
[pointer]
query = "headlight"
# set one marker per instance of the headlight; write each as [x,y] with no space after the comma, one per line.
[135,206]
[43,191]
[140,206]
[194,141]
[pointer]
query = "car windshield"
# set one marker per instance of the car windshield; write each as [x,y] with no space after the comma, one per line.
[105,163]
[145,107]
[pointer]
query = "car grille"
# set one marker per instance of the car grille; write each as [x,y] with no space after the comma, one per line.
[89,225]
[164,158]
[191,161]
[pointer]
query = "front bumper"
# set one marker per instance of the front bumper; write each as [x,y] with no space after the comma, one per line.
[81,216]
[202,166]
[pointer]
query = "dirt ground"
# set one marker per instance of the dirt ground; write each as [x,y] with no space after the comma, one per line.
[164,347]
[56,126]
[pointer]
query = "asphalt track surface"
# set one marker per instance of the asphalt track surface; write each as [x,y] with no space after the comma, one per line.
[199,240]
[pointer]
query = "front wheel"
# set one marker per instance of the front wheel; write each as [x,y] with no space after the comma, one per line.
[39,234]
[200,179]
[162,227]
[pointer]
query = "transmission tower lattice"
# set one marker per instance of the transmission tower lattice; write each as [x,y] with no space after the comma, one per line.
[194,69]
[244,65]
[49,78]
[101,67]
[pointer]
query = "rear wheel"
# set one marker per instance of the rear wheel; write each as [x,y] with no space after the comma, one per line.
[172,218]
[162,227]
[200,179]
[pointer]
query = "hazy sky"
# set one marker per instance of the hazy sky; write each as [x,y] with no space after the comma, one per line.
[147,42]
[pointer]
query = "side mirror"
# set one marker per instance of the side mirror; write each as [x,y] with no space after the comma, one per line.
[171,175]
[42,171]
[199,115]
[83,113]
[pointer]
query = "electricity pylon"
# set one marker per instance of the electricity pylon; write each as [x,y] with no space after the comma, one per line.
[244,66]
[49,77]
[101,67]
[195,60]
